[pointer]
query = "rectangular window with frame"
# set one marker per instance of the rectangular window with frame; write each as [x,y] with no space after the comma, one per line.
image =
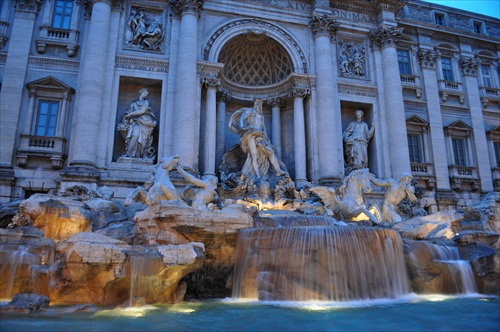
[415,148]
[47,118]
[486,75]
[62,14]
[496,147]
[477,26]
[459,151]
[404,62]
[439,18]
[447,69]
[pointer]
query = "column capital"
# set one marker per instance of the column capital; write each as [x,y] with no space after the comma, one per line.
[181,7]
[323,25]
[300,92]
[428,58]
[223,97]
[210,82]
[386,36]
[469,66]
[31,6]
[276,102]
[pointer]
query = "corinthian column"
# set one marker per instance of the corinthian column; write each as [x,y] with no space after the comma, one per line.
[329,123]
[299,133]
[386,38]
[209,147]
[276,105]
[428,59]
[186,84]
[91,87]
[469,70]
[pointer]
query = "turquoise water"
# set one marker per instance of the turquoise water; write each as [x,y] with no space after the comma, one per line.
[413,313]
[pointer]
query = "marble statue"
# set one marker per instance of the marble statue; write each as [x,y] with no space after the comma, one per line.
[350,204]
[395,192]
[137,128]
[207,192]
[248,122]
[356,137]
[159,186]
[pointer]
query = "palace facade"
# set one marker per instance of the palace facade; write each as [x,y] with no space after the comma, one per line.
[425,76]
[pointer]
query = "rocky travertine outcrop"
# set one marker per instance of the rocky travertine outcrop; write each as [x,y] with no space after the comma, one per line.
[170,222]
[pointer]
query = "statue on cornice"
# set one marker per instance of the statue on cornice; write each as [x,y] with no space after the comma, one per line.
[356,137]
[137,128]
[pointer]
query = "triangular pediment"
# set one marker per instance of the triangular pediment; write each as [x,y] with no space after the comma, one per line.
[458,125]
[494,134]
[415,120]
[50,83]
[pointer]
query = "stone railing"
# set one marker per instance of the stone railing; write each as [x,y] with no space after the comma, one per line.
[57,37]
[422,169]
[41,146]
[464,174]
[447,88]
[411,82]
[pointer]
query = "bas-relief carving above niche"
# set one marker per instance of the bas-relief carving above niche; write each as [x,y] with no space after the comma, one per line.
[352,59]
[144,29]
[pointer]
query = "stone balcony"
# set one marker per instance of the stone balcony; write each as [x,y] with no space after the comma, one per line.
[41,146]
[412,82]
[425,172]
[464,174]
[489,95]
[448,88]
[64,38]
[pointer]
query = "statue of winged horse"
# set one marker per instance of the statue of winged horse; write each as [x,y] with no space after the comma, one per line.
[350,204]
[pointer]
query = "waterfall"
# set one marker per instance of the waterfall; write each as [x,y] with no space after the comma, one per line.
[449,274]
[15,270]
[143,270]
[319,263]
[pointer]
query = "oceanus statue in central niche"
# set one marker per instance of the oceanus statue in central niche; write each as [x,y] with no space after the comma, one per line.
[252,166]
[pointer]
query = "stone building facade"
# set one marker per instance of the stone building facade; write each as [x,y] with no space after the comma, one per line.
[426,76]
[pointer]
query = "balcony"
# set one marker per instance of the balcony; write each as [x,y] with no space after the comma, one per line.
[41,146]
[464,174]
[447,88]
[57,37]
[489,94]
[425,172]
[411,82]
[495,171]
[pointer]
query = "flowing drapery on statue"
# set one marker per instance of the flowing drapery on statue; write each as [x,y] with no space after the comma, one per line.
[248,122]
[356,137]
[137,128]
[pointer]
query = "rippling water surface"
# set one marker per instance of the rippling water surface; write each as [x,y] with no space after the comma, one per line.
[412,313]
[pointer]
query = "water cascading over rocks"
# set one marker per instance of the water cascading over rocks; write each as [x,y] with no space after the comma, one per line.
[321,263]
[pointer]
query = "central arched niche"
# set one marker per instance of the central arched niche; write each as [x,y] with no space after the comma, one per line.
[255,59]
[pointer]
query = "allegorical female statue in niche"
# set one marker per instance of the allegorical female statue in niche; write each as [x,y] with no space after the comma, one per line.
[137,128]
[356,137]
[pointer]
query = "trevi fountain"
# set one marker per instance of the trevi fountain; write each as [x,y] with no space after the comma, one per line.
[254,252]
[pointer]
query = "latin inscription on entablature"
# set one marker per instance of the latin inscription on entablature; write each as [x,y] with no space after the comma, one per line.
[141,64]
[290,4]
[352,16]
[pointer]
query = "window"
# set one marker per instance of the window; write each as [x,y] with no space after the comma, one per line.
[62,14]
[404,62]
[486,75]
[459,151]
[447,69]
[496,148]
[477,26]
[47,118]
[415,148]
[439,18]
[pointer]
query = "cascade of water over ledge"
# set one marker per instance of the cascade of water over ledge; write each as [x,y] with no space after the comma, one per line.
[324,263]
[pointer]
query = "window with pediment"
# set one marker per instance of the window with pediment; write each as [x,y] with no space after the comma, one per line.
[488,78]
[417,130]
[45,122]
[4,22]
[459,143]
[60,26]
[448,69]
